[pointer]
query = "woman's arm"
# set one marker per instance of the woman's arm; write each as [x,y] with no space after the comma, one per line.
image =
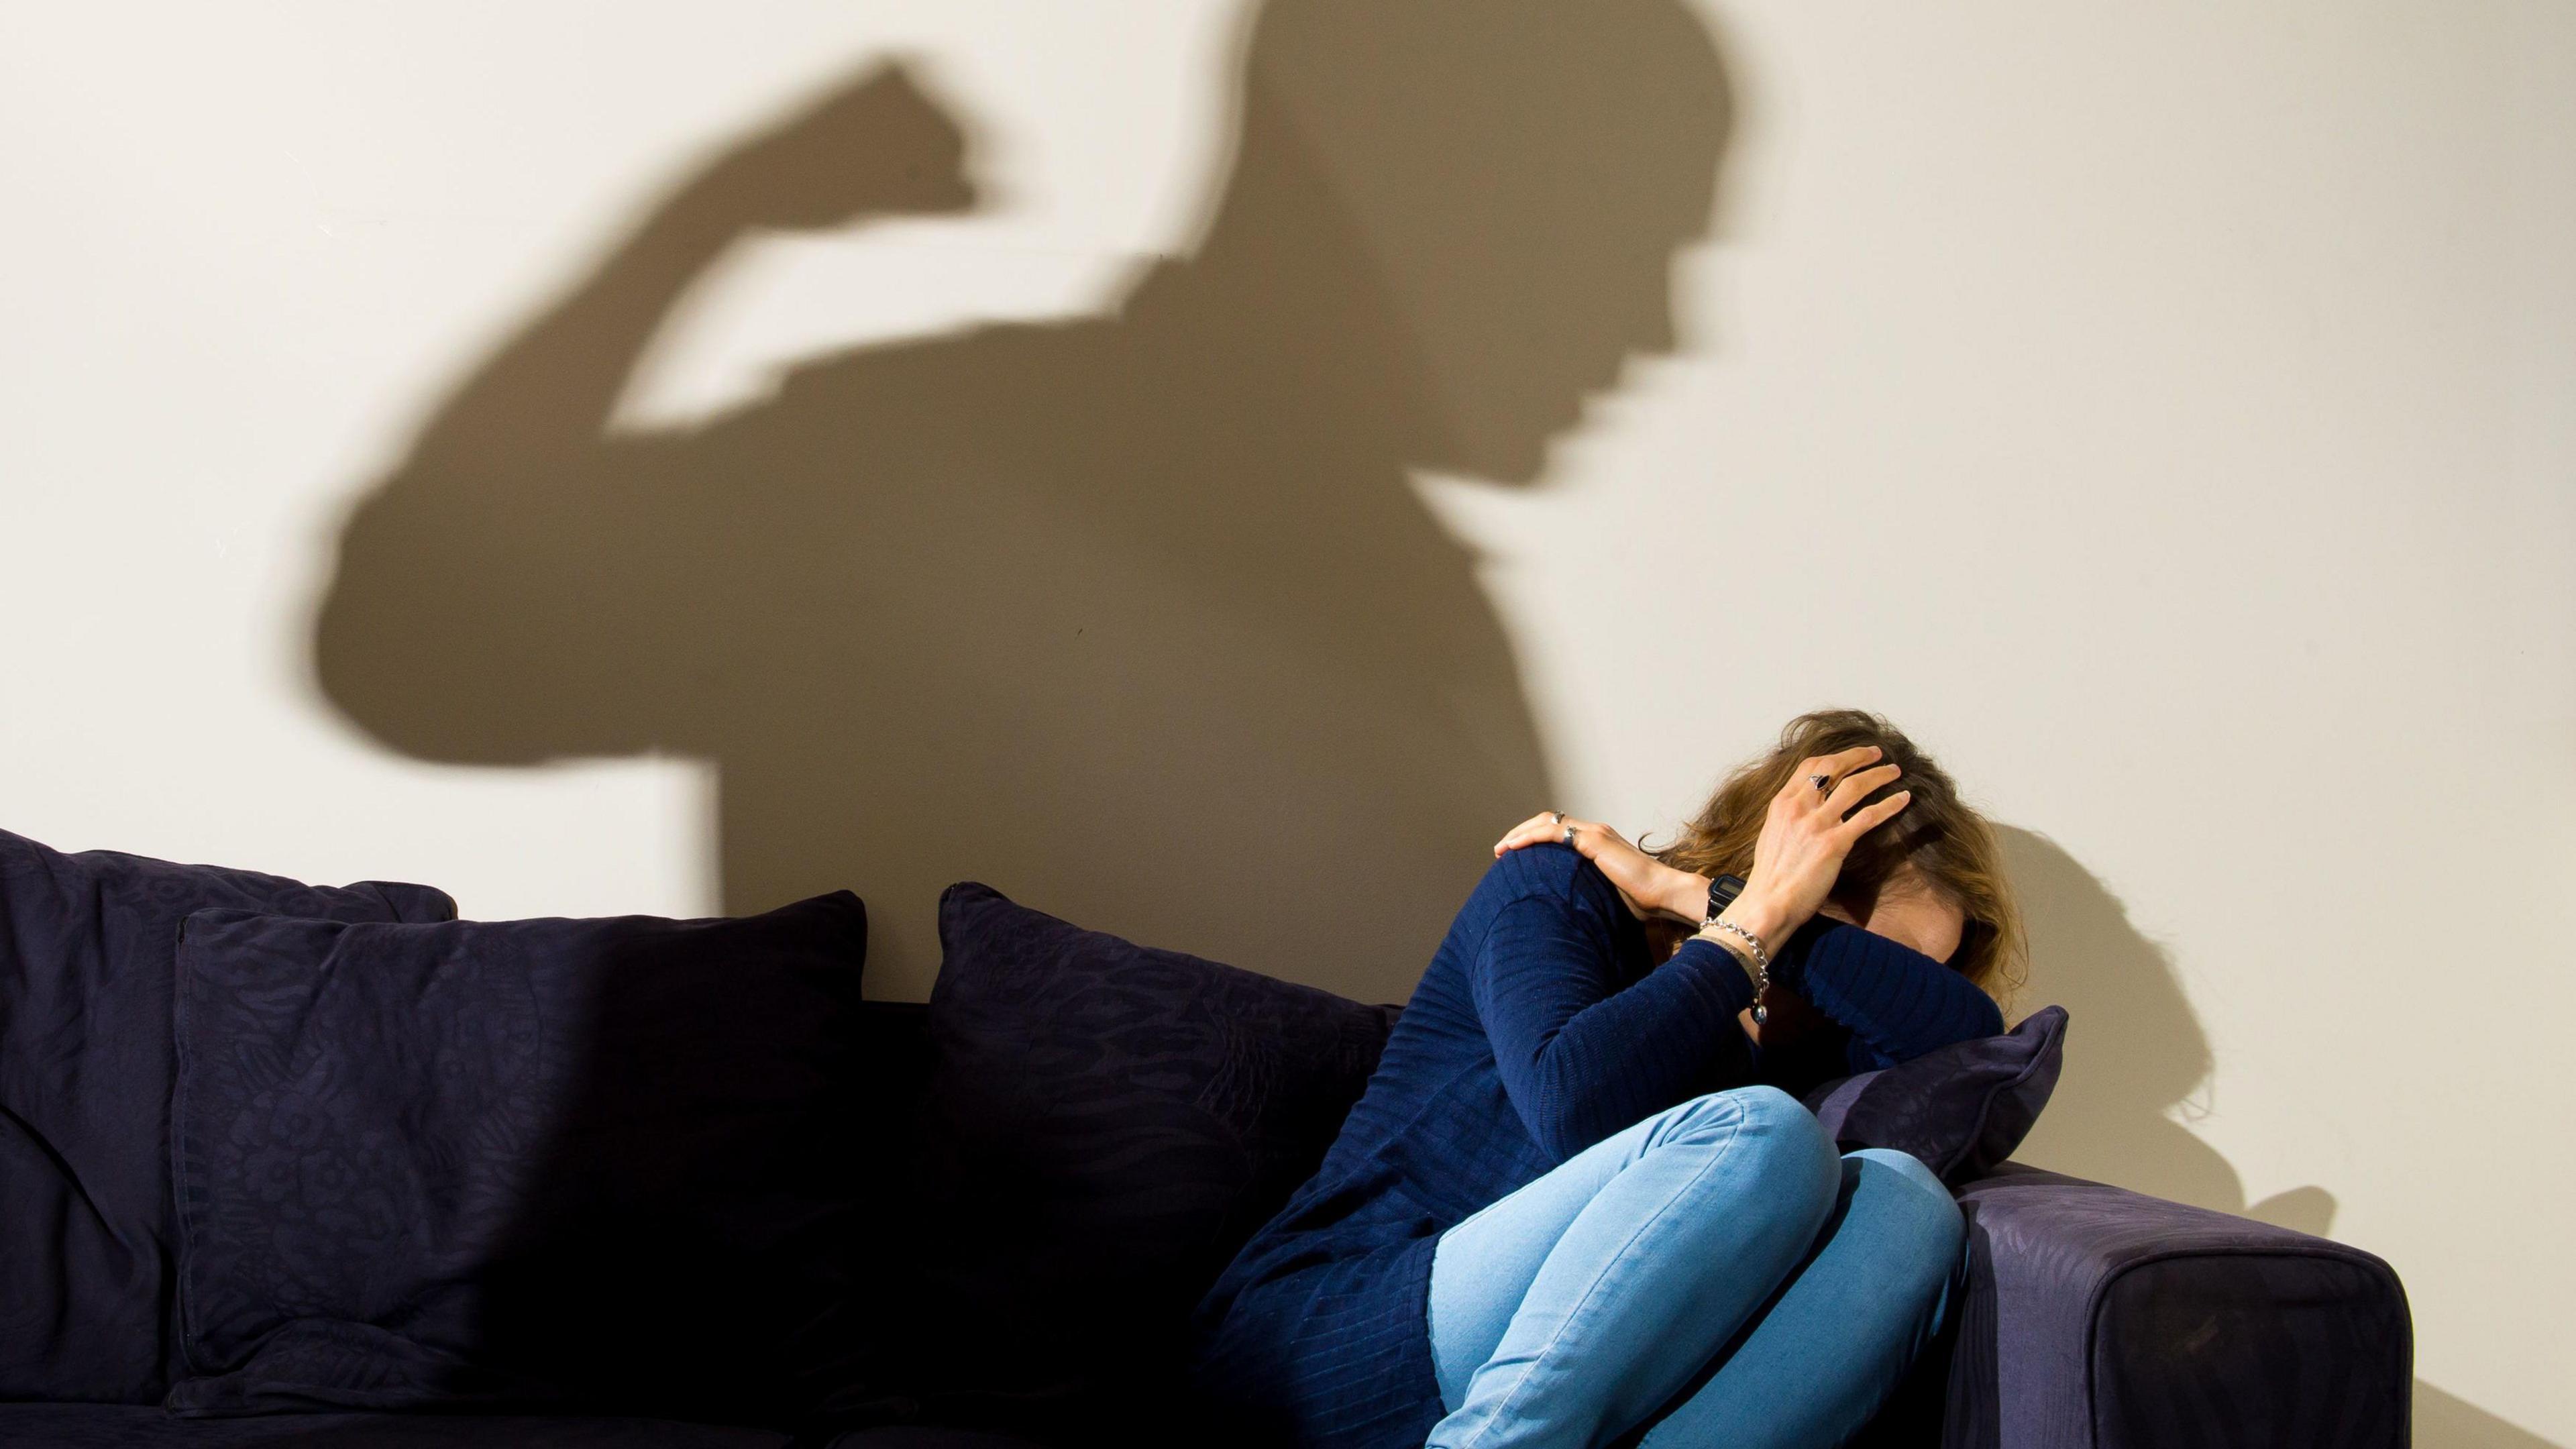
[1581,1056]
[1897,1002]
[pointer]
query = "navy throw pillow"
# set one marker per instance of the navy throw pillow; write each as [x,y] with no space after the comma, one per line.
[1962,1109]
[88,945]
[1110,1123]
[611,1163]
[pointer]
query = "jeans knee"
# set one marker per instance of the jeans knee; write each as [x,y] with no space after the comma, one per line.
[1909,1213]
[1764,1111]
[1768,1132]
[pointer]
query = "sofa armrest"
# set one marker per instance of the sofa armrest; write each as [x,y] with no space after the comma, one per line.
[2105,1318]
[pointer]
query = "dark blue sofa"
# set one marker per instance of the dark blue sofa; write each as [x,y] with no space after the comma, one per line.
[2095,1317]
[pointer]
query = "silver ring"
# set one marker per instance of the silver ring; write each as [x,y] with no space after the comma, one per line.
[1820,782]
[1559,814]
[1569,833]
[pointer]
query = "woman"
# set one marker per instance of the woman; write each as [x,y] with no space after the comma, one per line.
[1575,1198]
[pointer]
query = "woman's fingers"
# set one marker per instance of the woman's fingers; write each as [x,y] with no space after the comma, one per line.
[1547,825]
[1868,816]
[1855,787]
[1832,767]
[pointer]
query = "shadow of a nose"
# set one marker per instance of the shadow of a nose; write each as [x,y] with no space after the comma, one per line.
[1137,616]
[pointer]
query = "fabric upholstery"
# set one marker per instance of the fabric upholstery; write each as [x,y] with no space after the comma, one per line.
[1961,1109]
[2108,1318]
[88,943]
[1116,1121]
[612,1161]
[1144,1106]
[88,1426]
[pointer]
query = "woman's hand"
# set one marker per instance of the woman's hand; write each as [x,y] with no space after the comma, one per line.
[1651,886]
[1805,837]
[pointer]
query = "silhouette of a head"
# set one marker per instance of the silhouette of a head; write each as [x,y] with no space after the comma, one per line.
[1509,181]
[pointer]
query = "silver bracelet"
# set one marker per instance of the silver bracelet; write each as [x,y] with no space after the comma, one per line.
[1761,966]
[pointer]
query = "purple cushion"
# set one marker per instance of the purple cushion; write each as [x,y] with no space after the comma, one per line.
[605,1161]
[87,950]
[1116,1122]
[1961,1109]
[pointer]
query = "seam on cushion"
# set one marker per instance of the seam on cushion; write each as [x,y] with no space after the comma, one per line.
[182,1253]
[62,1165]
[2331,1252]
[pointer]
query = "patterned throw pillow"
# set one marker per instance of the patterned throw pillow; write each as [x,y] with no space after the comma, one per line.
[1962,1109]
[88,944]
[1110,1123]
[622,1162]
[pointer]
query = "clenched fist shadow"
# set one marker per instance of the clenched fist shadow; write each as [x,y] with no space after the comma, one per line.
[1137,617]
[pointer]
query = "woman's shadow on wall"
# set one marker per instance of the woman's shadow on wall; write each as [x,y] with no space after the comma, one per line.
[1138,616]
[2135,1056]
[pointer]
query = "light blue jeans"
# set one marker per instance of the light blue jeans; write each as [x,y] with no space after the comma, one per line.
[1715,1270]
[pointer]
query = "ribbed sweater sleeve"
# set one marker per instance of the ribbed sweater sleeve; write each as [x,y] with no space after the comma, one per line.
[1582,1056]
[1897,1002]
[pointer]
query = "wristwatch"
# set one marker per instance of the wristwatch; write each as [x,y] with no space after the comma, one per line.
[1721,894]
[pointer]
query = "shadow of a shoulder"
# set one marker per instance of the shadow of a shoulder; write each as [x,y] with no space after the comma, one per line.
[1136,617]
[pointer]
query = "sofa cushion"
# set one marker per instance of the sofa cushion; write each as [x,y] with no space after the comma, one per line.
[106,1426]
[617,1162]
[87,946]
[1113,1122]
[1961,1109]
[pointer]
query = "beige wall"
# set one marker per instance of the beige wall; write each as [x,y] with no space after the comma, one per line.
[2168,416]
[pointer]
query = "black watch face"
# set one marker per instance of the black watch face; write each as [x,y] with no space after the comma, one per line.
[1722,892]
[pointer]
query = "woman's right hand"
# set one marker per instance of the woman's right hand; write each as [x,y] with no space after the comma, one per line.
[1805,837]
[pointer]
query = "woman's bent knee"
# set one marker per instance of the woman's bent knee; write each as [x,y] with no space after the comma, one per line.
[1766,1131]
[1761,1112]
[1906,1211]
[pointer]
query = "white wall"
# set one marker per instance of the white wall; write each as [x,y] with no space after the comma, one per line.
[2168,416]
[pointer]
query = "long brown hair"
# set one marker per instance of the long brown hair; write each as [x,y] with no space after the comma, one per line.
[1951,845]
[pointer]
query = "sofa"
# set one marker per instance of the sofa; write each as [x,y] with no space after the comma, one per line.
[773,1213]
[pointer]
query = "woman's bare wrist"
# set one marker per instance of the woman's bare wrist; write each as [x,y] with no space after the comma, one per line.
[1685,897]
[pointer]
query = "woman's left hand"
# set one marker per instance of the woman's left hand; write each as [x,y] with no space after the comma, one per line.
[1647,882]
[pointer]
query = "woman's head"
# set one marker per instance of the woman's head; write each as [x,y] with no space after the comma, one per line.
[1936,843]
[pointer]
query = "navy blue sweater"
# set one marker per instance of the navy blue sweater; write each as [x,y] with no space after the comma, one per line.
[1542,1026]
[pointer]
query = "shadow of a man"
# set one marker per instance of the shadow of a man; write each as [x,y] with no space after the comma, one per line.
[1136,617]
